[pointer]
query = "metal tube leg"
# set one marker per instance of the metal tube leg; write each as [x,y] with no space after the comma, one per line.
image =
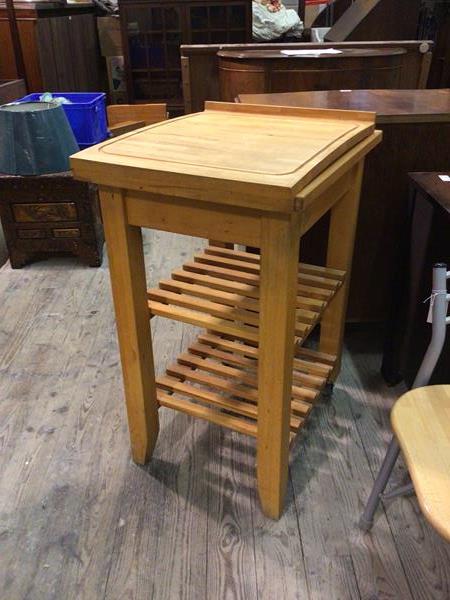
[366,520]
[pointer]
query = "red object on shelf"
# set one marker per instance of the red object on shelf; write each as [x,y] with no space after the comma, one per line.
[312,2]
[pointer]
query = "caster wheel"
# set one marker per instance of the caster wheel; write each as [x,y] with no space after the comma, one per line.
[328,390]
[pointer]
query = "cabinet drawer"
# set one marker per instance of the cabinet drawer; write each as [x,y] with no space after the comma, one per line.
[27,234]
[66,233]
[50,211]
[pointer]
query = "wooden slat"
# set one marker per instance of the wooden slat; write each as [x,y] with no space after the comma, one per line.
[227,285]
[250,291]
[240,407]
[221,297]
[316,367]
[229,263]
[301,392]
[307,316]
[212,308]
[315,355]
[255,258]
[147,113]
[301,405]
[252,279]
[175,382]
[233,346]
[124,127]
[173,300]
[203,291]
[225,385]
[202,320]
[202,412]
[230,357]
[312,381]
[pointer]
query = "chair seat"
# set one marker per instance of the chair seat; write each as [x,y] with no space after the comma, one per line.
[421,422]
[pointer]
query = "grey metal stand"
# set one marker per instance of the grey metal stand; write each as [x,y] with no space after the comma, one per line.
[439,300]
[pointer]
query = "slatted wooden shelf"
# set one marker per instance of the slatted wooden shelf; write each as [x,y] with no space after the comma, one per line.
[216,379]
[219,290]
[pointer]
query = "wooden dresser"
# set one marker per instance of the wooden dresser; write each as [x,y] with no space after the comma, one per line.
[50,214]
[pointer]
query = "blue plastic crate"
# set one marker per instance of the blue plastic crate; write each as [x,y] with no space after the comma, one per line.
[86,115]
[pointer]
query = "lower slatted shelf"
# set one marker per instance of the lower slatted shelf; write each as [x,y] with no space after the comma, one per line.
[216,380]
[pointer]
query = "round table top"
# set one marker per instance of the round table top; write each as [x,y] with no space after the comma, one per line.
[391,106]
[276,54]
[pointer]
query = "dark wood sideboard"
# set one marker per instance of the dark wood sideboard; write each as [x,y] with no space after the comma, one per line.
[416,137]
[200,66]
[266,71]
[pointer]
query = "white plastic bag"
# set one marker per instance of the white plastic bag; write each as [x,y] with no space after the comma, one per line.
[269,26]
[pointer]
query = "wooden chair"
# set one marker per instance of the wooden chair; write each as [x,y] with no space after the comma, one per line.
[126,117]
[421,424]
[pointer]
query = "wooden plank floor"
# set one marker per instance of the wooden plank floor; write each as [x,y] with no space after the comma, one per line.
[78,520]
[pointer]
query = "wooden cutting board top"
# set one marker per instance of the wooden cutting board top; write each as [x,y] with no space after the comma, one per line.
[228,147]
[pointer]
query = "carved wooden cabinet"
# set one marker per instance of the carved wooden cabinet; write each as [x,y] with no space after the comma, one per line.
[50,214]
[152,32]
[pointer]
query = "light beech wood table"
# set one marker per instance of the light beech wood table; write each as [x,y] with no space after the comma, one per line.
[258,176]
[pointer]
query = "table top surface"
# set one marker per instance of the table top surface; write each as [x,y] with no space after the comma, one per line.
[227,151]
[304,53]
[432,185]
[390,105]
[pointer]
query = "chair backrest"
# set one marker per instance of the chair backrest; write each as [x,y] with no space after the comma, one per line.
[147,113]
[439,300]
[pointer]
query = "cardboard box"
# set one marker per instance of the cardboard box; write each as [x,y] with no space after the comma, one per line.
[116,74]
[109,36]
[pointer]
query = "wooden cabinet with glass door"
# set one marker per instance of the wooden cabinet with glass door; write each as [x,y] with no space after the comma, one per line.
[153,31]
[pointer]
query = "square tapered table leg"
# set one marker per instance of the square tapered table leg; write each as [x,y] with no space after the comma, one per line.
[126,263]
[280,241]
